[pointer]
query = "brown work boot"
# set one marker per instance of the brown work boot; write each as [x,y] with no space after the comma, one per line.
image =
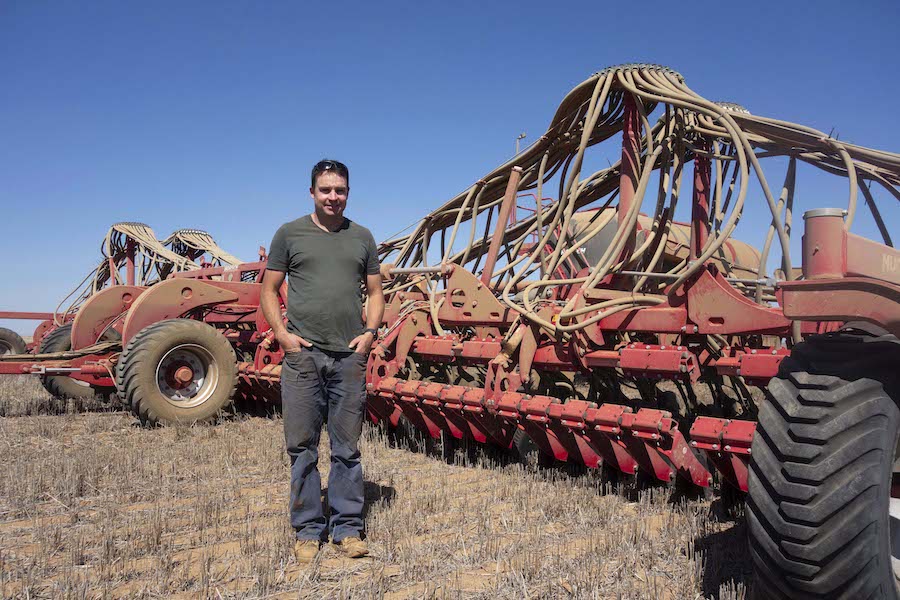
[353,547]
[305,551]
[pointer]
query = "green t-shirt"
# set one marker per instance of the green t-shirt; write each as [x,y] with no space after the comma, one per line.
[325,270]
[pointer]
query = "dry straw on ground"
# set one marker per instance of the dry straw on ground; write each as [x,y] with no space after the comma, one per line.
[93,506]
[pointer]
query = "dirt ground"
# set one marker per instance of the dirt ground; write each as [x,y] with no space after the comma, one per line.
[93,506]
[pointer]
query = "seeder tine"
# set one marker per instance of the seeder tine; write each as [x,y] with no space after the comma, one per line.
[537,409]
[411,403]
[451,398]
[473,401]
[422,421]
[578,444]
[660,449]
[572,414]
[431,394]
[509,406]
[604,433]
[484,423]
[546,439]
[727,443]
[568,422]
[534,418]
[386,388]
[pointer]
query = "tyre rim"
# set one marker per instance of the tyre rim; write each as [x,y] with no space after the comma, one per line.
[187,375]
[5,348]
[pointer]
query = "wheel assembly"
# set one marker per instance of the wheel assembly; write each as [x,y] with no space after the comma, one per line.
[821,519]
[177,370]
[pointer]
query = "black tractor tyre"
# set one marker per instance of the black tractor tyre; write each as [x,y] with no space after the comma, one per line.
[60,340]
[147,373]
[821,467]
[11,342]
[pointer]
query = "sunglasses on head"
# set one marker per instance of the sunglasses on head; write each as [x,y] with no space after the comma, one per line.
[330,165]
[327,165]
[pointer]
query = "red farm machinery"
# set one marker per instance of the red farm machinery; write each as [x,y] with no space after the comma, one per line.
[593,328]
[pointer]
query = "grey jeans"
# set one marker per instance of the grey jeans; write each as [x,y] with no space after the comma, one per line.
[317,385]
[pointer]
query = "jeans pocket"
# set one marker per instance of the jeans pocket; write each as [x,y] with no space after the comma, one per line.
[293,356]
[300,361]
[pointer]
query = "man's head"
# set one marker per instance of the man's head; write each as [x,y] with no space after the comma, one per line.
[330,186]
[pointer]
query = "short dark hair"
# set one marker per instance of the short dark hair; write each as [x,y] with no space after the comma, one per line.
[326,165]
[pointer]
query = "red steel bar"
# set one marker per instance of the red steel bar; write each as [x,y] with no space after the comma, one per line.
[700,206]
[27,316]
[506,209]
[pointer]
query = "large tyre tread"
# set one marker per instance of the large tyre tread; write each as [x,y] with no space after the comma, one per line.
[134,359]
[125,375]
[819,468]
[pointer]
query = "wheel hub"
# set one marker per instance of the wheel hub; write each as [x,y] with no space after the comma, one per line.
[184,375]
[187,375]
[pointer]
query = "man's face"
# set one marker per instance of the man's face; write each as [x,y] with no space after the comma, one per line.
[330,194]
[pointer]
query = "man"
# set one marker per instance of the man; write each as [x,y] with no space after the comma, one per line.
[325,257]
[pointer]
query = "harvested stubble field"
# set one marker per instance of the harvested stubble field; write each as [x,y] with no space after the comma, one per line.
[93,506]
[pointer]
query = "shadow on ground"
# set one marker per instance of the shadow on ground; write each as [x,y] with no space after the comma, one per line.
[727,563]
[376,493]
[373,493]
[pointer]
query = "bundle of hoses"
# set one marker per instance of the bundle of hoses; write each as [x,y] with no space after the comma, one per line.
[688,126]
[194,243]
[153,260]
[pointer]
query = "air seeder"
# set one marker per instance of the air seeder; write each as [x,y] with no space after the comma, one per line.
[133,260]
[597,329]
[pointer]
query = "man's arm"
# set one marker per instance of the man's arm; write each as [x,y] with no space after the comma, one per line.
[374,313]
[271,307]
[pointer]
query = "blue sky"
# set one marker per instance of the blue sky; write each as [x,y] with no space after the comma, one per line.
[210,114]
